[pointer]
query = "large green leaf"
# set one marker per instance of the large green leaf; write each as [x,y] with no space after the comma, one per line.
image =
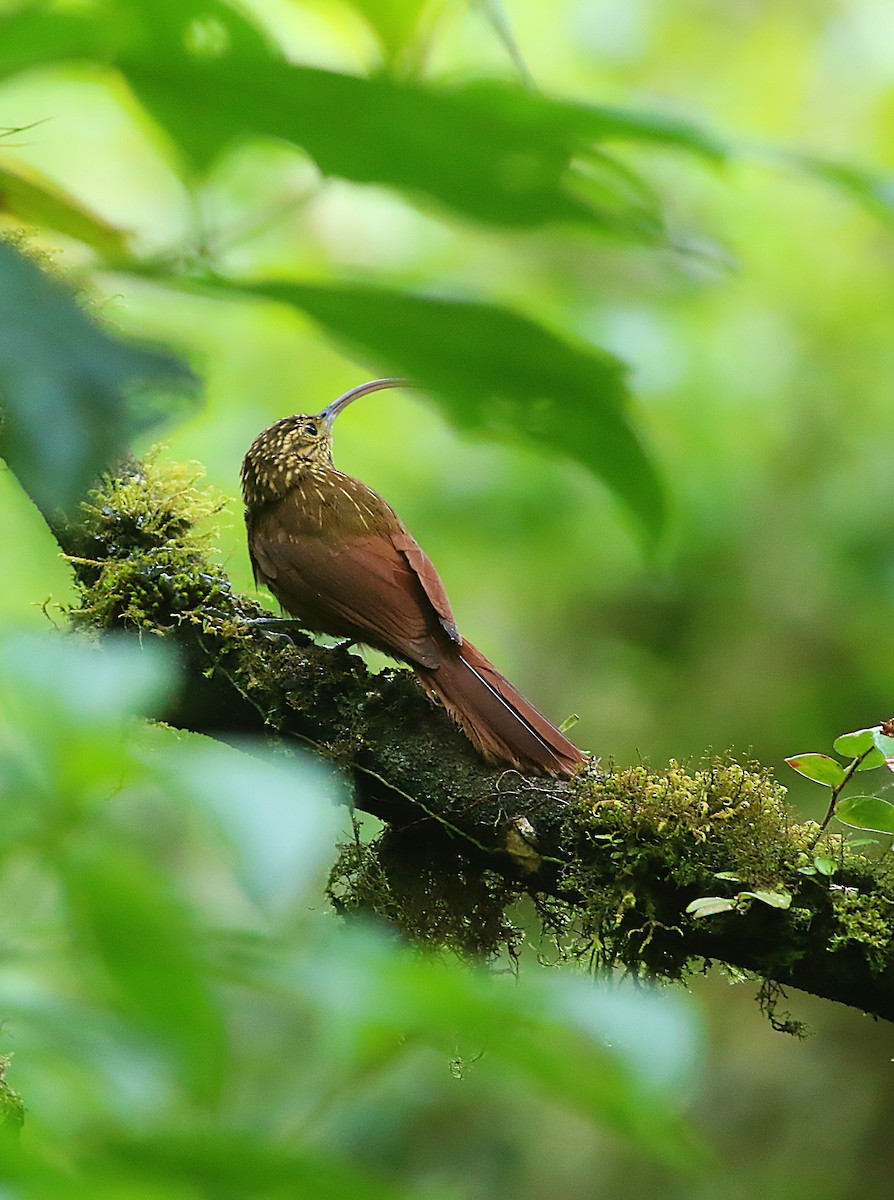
[63,385]
[488,151]
[495,373]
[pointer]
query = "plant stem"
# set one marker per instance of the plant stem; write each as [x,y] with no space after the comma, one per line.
[836,792]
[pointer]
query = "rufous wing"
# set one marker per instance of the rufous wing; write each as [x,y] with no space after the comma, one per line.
[361,584]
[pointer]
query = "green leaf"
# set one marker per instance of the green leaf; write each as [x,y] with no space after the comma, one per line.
[731,875]
[852,745]
[873,759]
[490,152]
[709,906]
[818,767]
[826,866]
[496,374]
[63,385]
[777,899]
[866,812]
[151,954]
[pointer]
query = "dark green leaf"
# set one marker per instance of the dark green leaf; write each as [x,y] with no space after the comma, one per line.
[825,866]
[496,374]
[63,384]
[487,151]
[866,812]
[818,767]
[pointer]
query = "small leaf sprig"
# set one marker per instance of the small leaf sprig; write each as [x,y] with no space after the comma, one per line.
[866,749]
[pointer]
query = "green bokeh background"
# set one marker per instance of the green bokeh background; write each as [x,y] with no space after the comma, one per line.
[763,369]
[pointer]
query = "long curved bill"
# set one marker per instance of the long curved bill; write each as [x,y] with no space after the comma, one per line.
[331,411]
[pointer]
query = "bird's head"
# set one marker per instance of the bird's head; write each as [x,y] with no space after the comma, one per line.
[287,450]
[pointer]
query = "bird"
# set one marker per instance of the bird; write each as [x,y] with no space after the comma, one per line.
[340,561]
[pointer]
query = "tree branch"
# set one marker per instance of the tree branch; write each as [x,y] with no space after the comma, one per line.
[612,859]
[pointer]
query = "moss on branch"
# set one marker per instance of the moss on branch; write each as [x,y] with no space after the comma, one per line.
[611,860]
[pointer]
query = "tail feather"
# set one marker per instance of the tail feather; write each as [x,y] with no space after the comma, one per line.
[496,718]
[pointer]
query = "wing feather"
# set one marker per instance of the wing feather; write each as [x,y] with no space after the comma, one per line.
[365,585]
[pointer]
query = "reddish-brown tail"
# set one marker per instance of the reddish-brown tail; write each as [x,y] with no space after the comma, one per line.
[496,718]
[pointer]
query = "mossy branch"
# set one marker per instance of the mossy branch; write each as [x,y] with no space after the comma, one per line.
[611,859]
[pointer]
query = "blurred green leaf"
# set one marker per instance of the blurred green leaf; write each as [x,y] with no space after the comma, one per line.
[84,684]
[866,812]
[494,373]
[818,767]
[31,197]
[604,1057]
[63,385]
[241,1163]
[282,839]
[150,952]
[489,152]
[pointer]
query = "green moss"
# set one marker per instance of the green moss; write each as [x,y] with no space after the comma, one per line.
[143,547]
[400,878]
[864,920]
[637,839]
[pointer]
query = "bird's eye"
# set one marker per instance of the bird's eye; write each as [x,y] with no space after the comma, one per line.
[311,429]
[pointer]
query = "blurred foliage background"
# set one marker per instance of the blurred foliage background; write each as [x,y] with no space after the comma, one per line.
[741,267]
